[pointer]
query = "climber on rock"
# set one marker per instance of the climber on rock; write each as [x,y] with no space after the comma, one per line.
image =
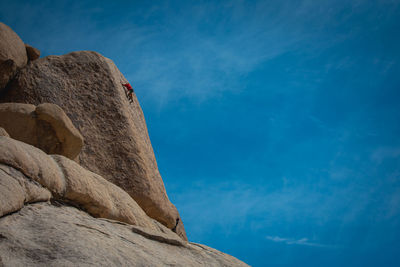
[129,92]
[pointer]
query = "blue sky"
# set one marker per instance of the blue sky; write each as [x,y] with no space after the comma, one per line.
[275,124]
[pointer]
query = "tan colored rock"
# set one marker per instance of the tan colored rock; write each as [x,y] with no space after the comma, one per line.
[33,163]
[68,182]
[12,54]
[8,69]
[99,197]
[45,126]
[70,138]
[32,53]
[87,86]
[16,190]
[12,195]
[3,132]
[19,121]
[45,235]
[11,46]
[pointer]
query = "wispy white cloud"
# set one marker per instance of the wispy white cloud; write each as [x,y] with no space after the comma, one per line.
[238,206]
[301,242]
[382,153]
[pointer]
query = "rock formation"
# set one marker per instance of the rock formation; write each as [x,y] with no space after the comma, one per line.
[41,177]
[12,54]
[50,233]
[65,202]
[87,86]
[45,126]
[42,234]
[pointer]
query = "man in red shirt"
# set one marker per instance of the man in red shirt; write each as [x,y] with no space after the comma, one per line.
[130,91]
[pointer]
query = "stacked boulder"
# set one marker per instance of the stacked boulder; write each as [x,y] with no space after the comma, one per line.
[79,182]
[14,54]
[45,126]
[87,86]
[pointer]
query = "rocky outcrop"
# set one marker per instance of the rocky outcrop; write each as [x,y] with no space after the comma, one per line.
[32,53]
[16,190]
[87,86]
[12,54]
[33,163]
[99,197]
[67,182]
[45,202]
[69,138]
[42,234]
[45,126]
[111,211]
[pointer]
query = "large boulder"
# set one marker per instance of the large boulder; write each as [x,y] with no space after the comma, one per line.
[12,54]
[30,171]
[16,190]
[45,126]
[87,86]
[33,163]
[98,196]
[45,207]
[42,234]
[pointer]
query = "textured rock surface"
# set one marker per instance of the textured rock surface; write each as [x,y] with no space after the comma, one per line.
[45,126]
[7,69]
[12,54]
[46,235]
[68,182]
[33,163]
[16,190]
[3,132]
[71,141]
[32,53]
[87,87]
[99,197]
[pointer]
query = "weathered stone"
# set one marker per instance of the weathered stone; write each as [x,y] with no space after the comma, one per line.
[32,53]
[69,137]
[19,121]
[45,126]
[16,190]
[99,197]
[8,68]
[3,132]
[33,163]
[68,182]
[45,235]
[11,46]
[12,54]
[87,86]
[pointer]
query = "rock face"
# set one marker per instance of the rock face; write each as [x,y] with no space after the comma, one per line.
[42,234]
[16,190]
[45,126]
[12,54]
[114,210]
[7,69]
[32,53]
[87,86]
[40,224]
[68,182]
